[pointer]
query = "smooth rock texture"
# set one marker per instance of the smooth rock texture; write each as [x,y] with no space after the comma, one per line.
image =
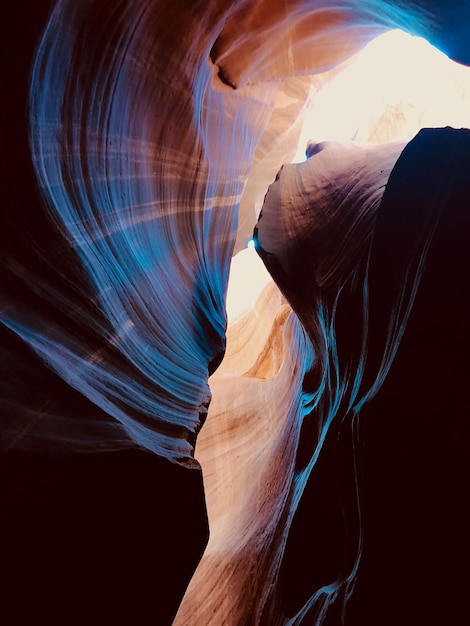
[380,328]
[140,140]
[141,154]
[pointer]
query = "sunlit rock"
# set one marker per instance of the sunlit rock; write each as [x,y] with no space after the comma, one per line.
[395,86]
[390,296]
[142,154]
[318,215]
[140,141]
[249,447]
[248,450]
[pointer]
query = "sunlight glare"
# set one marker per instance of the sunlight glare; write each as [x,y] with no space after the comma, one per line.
[395,86]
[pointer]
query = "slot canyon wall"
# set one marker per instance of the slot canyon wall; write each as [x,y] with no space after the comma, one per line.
[192,431]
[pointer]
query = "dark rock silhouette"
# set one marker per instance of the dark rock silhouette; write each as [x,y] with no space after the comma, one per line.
[134,137]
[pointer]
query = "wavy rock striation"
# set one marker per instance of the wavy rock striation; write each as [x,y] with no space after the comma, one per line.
[143,137]
[142,154]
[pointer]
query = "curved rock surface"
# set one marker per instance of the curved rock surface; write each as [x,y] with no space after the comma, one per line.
[141,154]
[140,140]
[379,323]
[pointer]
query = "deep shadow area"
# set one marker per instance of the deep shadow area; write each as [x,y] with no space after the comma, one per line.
[115,537]
[98,538]
[409,444]
[105,537]
[416,470]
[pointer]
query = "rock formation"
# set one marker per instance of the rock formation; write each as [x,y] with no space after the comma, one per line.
[140,141]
